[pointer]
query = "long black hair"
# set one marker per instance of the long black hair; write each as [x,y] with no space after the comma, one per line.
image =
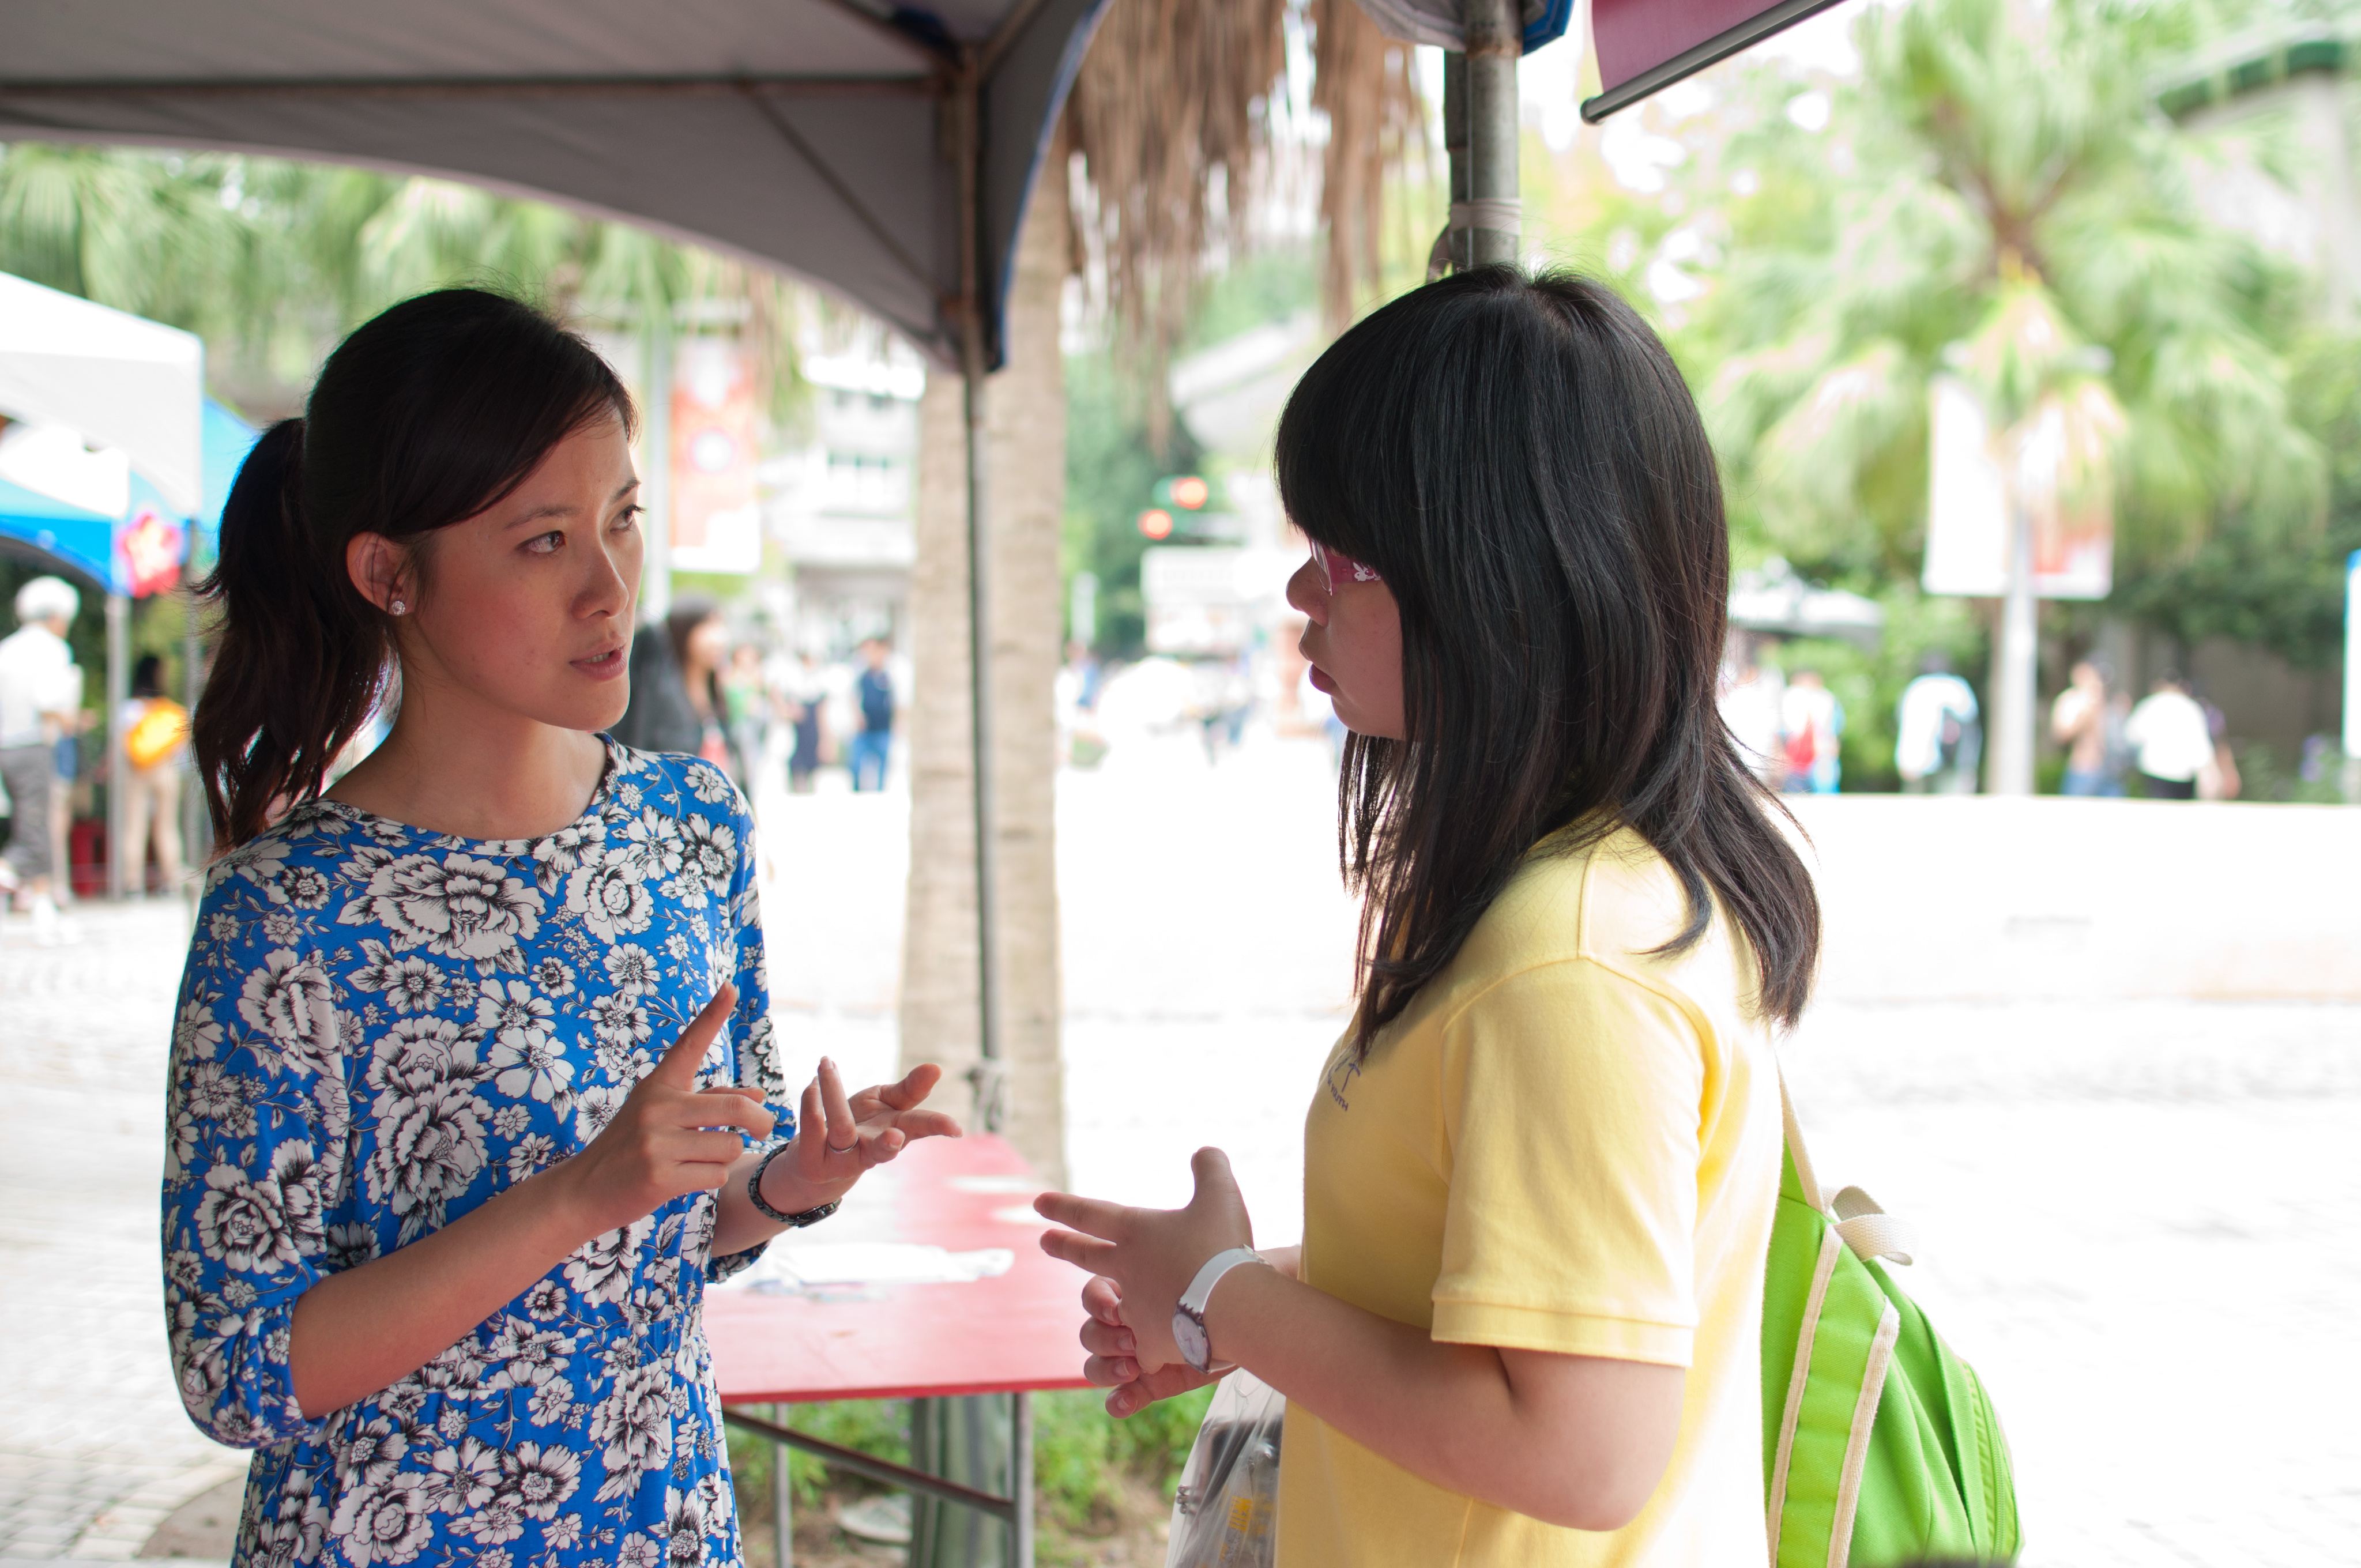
[1520,459]
[429,413]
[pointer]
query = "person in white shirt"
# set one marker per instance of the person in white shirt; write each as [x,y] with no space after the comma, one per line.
[1936,740]
[40,691]
[2170,740]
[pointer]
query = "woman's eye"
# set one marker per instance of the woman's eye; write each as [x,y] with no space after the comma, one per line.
[628,518]
[547,543]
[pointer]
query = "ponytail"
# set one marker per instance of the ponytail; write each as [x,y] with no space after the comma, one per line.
[302,657]
[428,414]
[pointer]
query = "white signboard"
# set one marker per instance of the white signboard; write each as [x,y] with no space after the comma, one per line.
[1970,495]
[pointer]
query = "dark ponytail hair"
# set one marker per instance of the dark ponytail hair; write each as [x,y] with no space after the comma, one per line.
[1521,460]
[431,413]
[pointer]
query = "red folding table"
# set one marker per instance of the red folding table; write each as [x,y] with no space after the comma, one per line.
[1012,1334]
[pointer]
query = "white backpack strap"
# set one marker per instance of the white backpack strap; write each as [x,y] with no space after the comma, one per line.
[1795,1150]
[1867,1230]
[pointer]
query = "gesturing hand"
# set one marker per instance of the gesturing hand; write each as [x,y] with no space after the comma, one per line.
[1149,1254]
[669,1138]
[838,1137]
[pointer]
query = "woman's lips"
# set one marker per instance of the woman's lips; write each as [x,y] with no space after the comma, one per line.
[1320,681]
[606,666]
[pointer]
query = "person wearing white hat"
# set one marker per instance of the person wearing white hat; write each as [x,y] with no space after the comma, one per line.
[40,694]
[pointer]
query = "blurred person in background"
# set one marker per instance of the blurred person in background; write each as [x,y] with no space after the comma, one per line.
[41,714]
[2078,722]
[747,696]
[156,748]
[1811,725]
[873,743]
[2218,779]
[1750,693]
[1937,737]
[807,697]
[2170,740]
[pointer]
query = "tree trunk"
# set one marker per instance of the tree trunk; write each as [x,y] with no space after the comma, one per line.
[1027,411]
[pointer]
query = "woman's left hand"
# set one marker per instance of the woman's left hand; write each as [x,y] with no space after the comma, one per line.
[838,1136]
[1151,1253]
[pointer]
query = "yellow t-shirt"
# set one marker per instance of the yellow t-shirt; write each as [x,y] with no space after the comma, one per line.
[1564,1144]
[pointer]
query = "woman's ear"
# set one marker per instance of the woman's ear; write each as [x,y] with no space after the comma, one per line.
[378,567]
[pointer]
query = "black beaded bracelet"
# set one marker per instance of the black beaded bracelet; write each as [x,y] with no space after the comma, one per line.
[754,1191]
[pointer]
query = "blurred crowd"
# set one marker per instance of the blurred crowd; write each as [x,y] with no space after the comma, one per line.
[2169,744]
[754,709]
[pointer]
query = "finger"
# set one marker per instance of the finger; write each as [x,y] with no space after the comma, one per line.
[728,1110]
[1103,1300]
[1091,1216]
[1109,1371]
[811,1134]
[916,1085]
[1211,1168]
[678,1067]
[1080,1251]
[698,1148]
[926,1125]
[1149,1387]
[843,1131]
[1108,1339]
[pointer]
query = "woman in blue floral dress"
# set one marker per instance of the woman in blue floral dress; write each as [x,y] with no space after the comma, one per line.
[474,1088]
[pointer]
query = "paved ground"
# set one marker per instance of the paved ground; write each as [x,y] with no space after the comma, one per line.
[2142,1221]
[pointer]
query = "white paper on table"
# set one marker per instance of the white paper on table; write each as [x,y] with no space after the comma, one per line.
[876,1263]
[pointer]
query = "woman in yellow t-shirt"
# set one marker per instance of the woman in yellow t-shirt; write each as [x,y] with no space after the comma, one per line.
[1523,1325]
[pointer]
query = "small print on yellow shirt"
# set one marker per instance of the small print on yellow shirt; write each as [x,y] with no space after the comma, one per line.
[1564,1144]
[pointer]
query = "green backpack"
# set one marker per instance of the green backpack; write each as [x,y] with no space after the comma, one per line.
[1879,1447]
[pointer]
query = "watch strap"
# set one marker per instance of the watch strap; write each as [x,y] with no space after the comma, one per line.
[1201,1289]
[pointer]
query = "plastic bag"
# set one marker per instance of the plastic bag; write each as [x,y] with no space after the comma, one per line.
[1226,1514]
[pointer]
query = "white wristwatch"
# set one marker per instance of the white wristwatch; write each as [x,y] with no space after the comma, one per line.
[1189,1318]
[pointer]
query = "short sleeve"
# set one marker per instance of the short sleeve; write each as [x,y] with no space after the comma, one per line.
[751,1031]
[1572,1099]
[257,1118]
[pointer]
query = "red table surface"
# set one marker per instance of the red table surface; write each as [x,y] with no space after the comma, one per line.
[1016,1331]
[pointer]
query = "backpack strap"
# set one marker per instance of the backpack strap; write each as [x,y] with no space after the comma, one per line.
[1869,1229]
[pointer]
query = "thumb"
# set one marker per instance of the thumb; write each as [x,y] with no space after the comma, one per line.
[1210,1167]
[678,1067]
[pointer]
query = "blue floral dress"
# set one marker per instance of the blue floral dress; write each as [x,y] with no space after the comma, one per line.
[379,1029]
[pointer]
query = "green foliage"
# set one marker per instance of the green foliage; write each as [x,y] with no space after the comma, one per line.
[1111,467]
[1989,149]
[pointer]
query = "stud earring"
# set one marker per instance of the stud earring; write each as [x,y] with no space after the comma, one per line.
[397,607]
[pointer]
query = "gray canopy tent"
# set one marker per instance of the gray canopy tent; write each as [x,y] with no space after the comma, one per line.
[882,153]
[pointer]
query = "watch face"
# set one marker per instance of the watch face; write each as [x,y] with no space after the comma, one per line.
[1190,1335]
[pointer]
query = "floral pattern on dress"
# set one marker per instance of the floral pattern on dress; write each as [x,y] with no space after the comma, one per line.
[379,1029]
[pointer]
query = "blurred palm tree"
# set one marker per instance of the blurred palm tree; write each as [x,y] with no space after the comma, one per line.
[273,261]
[1998,168]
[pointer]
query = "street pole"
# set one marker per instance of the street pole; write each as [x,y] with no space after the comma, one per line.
[2013,702]
[119,862]
[2353,678]
[655,568]
[1495,34]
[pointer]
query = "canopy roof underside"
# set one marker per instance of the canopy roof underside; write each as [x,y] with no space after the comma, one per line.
[808,135]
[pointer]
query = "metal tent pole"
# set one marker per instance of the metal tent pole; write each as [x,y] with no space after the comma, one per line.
[1495,34]
[119,861]
[967,135]
[2014,701]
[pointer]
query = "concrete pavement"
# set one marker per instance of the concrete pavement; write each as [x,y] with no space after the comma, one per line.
[2141,1217]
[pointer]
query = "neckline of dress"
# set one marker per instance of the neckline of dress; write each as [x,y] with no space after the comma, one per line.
[608,773]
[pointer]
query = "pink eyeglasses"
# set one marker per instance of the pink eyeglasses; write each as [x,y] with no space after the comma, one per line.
[1334,566]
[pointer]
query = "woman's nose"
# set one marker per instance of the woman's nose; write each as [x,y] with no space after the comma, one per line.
[1306,592]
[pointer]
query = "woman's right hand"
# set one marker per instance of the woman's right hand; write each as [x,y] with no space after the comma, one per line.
[1113,1355]
[670,1137]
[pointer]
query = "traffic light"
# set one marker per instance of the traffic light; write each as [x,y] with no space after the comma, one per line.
[1155,522]
[1190,493]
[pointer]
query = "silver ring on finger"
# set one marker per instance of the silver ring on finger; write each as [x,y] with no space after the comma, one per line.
[847,1149]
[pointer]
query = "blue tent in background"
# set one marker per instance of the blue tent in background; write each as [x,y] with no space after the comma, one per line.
[81,540]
